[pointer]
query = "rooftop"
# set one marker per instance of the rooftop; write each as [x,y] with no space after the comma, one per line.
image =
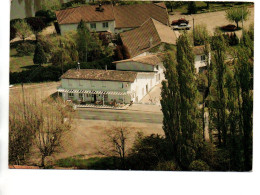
[124,15]
[154,59]
[100,75]
[87,13]
[198,50]
[150,34]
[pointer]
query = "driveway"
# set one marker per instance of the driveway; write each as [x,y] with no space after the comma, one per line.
[213,20]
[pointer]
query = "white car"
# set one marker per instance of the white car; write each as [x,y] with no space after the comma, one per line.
[182,26]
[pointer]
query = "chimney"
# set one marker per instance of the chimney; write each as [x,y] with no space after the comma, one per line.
[78,66]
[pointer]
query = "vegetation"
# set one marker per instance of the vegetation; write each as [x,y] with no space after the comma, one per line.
[237,14]
[192,8]
[34,122]
[39,55]
[23,29]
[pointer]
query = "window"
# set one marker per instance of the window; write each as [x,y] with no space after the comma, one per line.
[203,58]
[157,67]
[93,25]
[105,24]
[71,95]
[122,85]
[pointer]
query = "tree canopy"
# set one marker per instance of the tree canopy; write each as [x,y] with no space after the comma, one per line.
[237,14]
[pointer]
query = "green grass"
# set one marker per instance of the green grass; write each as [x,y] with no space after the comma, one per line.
[18,63]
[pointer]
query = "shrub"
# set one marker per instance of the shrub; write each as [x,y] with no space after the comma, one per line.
[198,165]
[48,15]
[166,166]
[25,49]
[148,151]
[12,32]
[37,24]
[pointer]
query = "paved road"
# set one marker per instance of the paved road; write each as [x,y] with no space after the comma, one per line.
[119,115]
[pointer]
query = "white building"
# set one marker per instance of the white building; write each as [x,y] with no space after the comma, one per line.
[200,58]
[132,80]
[109,18]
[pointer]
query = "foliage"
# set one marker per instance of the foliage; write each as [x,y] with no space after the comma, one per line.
[50,5]
[166,166]
[12,32]
[89,46]
[25,49]
[148,151]
[39,55]
[37,24]
[179,110]
[173,4]
[48,15]
[198,165]
[201,35]
[23,29]
[237,14]
[192,8]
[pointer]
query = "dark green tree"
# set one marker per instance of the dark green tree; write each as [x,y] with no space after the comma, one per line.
[192,7]
[39,55]
[179,103]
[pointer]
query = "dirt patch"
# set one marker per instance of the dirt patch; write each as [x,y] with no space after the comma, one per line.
[87,136]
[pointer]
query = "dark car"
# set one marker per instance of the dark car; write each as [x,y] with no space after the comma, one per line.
[180,21]
[229,27]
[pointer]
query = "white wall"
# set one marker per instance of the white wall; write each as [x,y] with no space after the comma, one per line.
[199,63]
[99,27]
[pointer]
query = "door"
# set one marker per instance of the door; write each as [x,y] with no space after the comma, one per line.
[147,88]
[95,97]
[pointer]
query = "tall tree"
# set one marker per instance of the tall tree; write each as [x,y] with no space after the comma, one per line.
[179,103]
[23,29]
[217,88]
[39,55]
[237,14]
[244,79]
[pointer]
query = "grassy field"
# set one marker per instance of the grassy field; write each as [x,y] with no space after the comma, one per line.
[17,64]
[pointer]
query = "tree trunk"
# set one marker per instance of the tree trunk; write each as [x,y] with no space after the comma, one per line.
[43,161]
[237,24]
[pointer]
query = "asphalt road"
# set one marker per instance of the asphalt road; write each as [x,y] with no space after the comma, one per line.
[119,115]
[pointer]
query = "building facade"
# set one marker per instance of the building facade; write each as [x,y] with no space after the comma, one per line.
[132,80]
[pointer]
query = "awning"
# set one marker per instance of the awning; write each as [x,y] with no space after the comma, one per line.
[92,92]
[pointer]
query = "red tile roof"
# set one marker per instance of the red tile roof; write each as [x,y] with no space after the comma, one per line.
[86,13]
[135,15]
[100,75]
[153,59]
[148,35]
[124,15]
[198,50]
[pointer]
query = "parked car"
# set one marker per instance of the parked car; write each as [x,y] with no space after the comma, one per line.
[180,21]
[229,27]
[182,26]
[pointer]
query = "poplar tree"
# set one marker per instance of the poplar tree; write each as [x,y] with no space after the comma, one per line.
[180,103]
[39,55]
[218,95]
